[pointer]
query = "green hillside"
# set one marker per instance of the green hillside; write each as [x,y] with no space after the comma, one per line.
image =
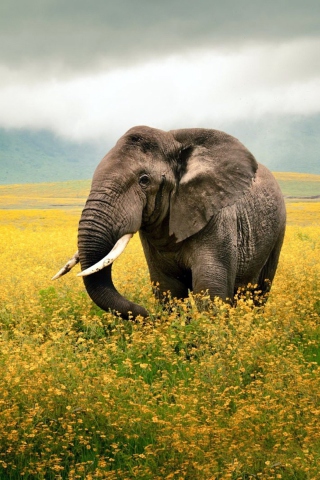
[283,144]
[40,156]
[299,185]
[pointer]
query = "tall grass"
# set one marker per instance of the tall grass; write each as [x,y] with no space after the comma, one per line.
[229,393]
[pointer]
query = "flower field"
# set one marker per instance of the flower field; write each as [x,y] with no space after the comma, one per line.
[229,393]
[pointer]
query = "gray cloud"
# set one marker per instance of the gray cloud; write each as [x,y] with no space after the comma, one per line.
[191,89]
[58,36]
[91,69]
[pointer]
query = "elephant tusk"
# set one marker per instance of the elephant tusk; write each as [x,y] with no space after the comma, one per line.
[108,259]
[68,266]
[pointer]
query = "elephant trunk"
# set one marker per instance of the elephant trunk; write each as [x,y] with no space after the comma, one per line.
[96,238]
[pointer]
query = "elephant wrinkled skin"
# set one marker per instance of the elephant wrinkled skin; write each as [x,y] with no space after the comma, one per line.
[210,217]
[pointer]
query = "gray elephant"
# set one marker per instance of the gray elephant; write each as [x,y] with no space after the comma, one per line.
[210,217]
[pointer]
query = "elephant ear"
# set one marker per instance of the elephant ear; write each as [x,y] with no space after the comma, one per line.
[215,170]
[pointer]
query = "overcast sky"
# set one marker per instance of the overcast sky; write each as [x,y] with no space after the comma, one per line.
[92,69]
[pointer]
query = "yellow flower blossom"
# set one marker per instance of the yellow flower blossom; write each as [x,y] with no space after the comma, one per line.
[232,392]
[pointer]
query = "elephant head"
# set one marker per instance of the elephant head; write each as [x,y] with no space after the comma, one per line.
[131,188]
[167,185]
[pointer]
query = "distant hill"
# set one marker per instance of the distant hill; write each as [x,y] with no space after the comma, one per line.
[283,144]
[299,186]
[39,156]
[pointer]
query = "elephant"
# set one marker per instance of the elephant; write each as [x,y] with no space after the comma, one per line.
[210,217]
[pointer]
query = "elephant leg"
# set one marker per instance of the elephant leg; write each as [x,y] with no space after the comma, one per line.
[269,270]
[215,278]
[178,286]
[165,274]
[214,257]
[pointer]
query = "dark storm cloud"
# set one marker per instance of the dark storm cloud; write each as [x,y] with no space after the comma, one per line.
[78,35]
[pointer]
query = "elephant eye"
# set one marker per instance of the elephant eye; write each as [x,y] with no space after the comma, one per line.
[144,180]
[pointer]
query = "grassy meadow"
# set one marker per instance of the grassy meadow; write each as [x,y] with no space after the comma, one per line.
[229,393]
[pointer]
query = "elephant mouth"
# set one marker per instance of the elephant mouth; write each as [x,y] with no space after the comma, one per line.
[116,251]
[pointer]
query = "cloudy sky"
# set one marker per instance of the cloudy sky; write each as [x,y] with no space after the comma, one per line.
[89,69]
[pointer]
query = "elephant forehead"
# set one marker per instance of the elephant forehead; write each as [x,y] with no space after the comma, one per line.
[132,147]
[143,130]
[150,139]
[127,166]
[150,133]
